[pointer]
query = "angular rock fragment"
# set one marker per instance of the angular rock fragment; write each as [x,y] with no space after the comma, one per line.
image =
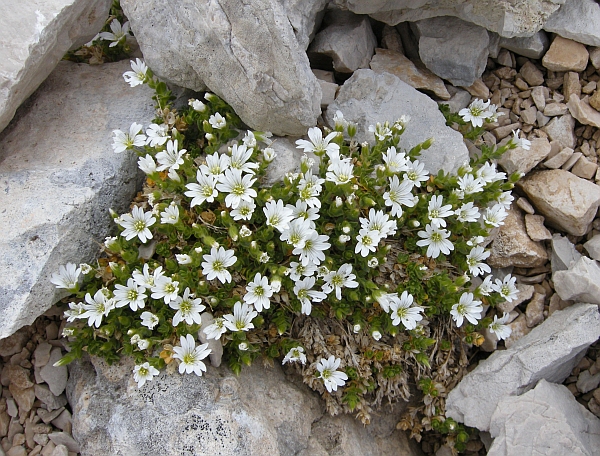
[565,55]
[581,282]
[577,20]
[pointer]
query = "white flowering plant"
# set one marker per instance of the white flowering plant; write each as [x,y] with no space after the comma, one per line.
[360,268]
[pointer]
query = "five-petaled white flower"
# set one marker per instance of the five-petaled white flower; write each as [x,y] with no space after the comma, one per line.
[216,329]
[437,212]
[495,215]
[278,216]
[190,356]
[144,278]
[123,141]
[166,288]
[488,173]
[336,280]
[67,276]
[402,310]
[476,113]
[399,194]
[313,250]
[523,143]
[505,199]
[469,184]
[158,135]
[117,34]
[332,378]
[170,158]
[138,75]
[238,187]
[466,308]
[416,173]
[204,190]
[467,213]
[436,240]
[306,295]
[296,270]
[132,295]
[97,307]
[188,308]
[216,263]
[241,320]
[475,261]
[367,241]
[240,159]
[295,354]
[217,121]
[170,215]
[381,131]
[137,224]
[143,373]
[296,232]
[340,172]
[507,288]
[396,162]
[317,144]
[486,286]
[258,292]
[499,326]
[197,105]
[76,310]
[147,164]
[215,165]
[244,211]
[149,320]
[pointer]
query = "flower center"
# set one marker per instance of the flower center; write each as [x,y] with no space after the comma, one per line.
[337,280]
[461,309]
[139,225]
[303,294]
[189,358]
[436,237]
[259,291]
[238,189]
[326,374]
[206,191]
[169,288]
[132,295]
[218,265]
[185,306]
[366,240]
[411,175]
[240,324]
[434,213]
[143,371]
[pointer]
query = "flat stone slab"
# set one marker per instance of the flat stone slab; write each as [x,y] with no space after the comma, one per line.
[59,177]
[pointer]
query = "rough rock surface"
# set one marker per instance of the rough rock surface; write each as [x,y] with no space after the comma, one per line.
[367,98]
[548,352]
[35,36]
[581,282]
[270,87]
[568,202]
[577,20]
[305,17]
[565,55]
[522,160]
[533,47]
[55,209]
[546,420]
[217,413]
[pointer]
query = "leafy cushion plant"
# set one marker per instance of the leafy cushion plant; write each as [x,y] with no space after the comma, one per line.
[360,269]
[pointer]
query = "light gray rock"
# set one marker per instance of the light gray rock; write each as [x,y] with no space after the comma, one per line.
[52,402]
[581,282]
[215,345]
[55,209]
[35,36]
[55,376]
[347,40]
[586,381]
[559,159]
[593,247]
[555,109]
[453,49]
[459,98]
[564,253]
[568,202]
[305,17]
[41,354]
[62,438]
[522,160]
[221,45]
[583,112]
[565,55]
[549,351]
[546,420]
[367,98]
[258,413]
[534,46]
[536,229]
[577,20]
[287,160]
[60,450]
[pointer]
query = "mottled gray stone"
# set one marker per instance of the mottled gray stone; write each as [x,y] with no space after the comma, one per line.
[564,253]
[533,47]
[524,160]
[580,283]
[577,20]
[55,376]
[593,247]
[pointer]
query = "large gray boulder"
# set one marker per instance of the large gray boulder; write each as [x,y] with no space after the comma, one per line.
[581,282]
[368,97]
[578,20]
[550,351]
[260,412]
[245,52]
[506,17]
[34,37]
[60,176]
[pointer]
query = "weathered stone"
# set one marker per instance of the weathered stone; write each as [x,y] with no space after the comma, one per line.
[35,37]
[581,282]
[23,397]
[15,343]
[595,100]
[287,159]
[587,381]
[584,168]
[534,224]
[64,421]
[571,161]
[534,46]
[525,293]
[529,116]
[583,112]
[546,420]
[532,74]
[55,376]
[347,40]
[565,55]
[525,205]
[41,355]
[305,17]
[566,201]
[504,131]
[549,351]
[391,39]
[368,97]
[453,49]
[523,160]
[48,416]
[555,109]
[595,57]
[17,451]
[459,98]
[386,61]
[534,313]
[539,94]
[62,438]
[513,247]
[564,253]
[593,247]
[328,93]
[559,159]
[577,20]
[52,402]
[18,376]
[227,53]
[55,210]
[4,422]
[571,85]
[60,450]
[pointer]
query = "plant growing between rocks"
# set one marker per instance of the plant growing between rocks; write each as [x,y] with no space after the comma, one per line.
[362,271]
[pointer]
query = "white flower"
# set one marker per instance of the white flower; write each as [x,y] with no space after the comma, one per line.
[466,308]
[96,308]
[436,240]
[215,165]
[76,310]
[437,212]
[309,188]
[244,211]
[295,354]
[486,286]
[332,378]
[402,311]
[381,132]
[67,276]
[520,142]
[243,346]
[396,162]
[495,215]
[400,193]
[143,373]
[239,159]
[242,317]
[138,75]
[217,121]
[475,240]
[505,199]
[468,185]
[110,242]
[147,164]
[356,328]
[416,173]
[216,329]
[197,105]
[336,280]
[119,32]
[340,172]
[191,356]
[123,141]
[297,270]
[215,264]
[204,190]
[131,295]
[238,188]
[313,250]
[183,258]
[343,238]
[145,279]
[158,135]
[475,260]
[188,308]
[385,300]
[499,326]
[149,320]
[166,288]
[276,285]
[269,154]
[376,335]
[373,262]
[339,121]
[488,173]
[143,344]
[258,292]
[249,140]
[170,214]
[317,144]
[379,221]
[296,232]
[278,216]
[506,288]
[306,295]
[170,158]
[476,113]
[467,213]
[137,224]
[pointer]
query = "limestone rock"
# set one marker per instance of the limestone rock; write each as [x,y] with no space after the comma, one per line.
[583,112]
[567,202]
[55,210]
[565,55]
[453,49]
[513,247]
[561,129]
[593,247]
[534,46]
[386,61]
[522,160]
[546,420]
[577,20]
[549,351]
[559,159]
[55,376]
[536,229]
[35,36]
[532,74]
[367,98]
[564,253]
[581,282]
[347,40]
[221,45]
[305,17]
[287,159]
[584,168]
